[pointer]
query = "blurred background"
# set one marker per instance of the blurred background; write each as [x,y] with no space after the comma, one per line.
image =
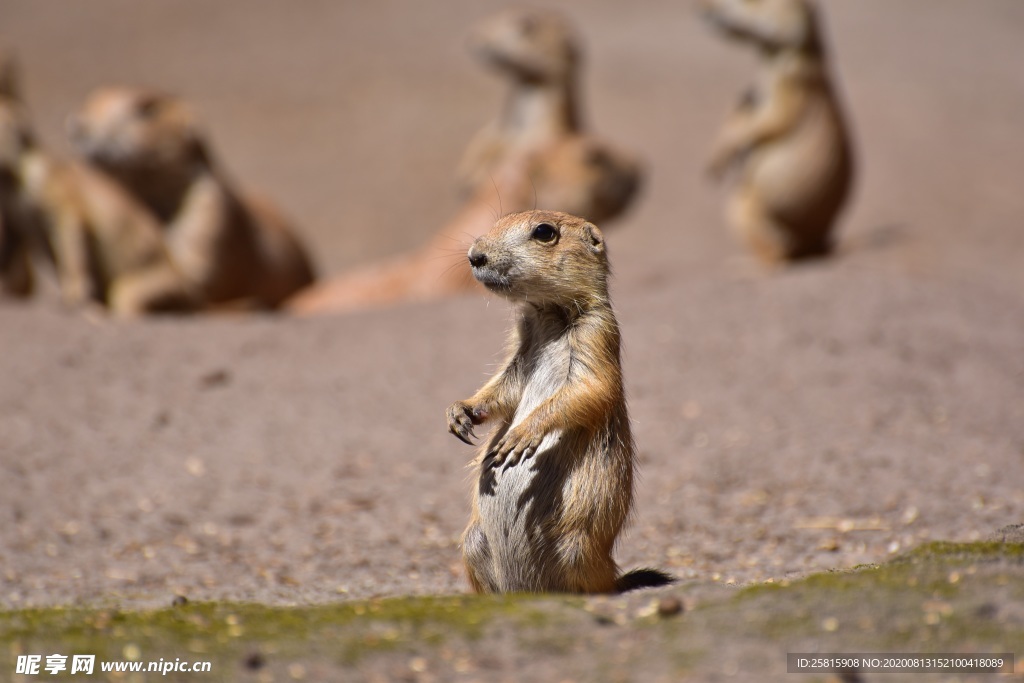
[353,116]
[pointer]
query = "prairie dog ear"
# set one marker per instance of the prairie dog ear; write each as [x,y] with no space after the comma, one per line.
[593,238]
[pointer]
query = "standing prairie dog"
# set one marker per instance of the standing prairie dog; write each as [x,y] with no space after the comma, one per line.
[555,480]
[787,138]
[106,248]
[231,248]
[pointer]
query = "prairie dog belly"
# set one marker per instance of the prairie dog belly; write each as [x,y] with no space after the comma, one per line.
[516,516]
[807,172]
[518,505]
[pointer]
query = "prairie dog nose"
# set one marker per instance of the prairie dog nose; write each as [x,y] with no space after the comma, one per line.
[476,258]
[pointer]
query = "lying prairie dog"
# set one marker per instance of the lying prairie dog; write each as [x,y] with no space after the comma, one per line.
[787,140]
[232,248]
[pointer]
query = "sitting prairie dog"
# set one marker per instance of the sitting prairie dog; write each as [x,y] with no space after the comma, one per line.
[539,56]
[106,248]
[787,138]
[555,479]
[231,248]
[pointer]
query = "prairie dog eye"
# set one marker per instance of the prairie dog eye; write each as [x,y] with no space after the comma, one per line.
[544,232]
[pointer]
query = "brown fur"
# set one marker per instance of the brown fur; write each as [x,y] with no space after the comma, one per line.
[555,479]
[106,249]
[788,138]
[231,248]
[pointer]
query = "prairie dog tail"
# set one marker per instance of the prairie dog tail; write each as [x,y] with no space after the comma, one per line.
[643,578]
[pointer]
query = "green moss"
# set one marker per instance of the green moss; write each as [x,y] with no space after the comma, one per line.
[982,550]
[225,631]
[931,595]
[941,596]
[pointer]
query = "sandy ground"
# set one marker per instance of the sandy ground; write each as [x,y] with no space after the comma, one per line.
[822,417]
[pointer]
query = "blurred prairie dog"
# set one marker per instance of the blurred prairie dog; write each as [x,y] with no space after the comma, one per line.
[538,54]
[16,276]
[555,479]
[787,138]
[106,248]
[232,248]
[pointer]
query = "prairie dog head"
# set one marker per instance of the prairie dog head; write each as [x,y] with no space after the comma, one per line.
[128,130]
[772,25]
[529,45]
[542,257]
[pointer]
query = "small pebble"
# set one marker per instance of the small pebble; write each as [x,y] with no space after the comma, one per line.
[215,378]
[669,606]
[254,661]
